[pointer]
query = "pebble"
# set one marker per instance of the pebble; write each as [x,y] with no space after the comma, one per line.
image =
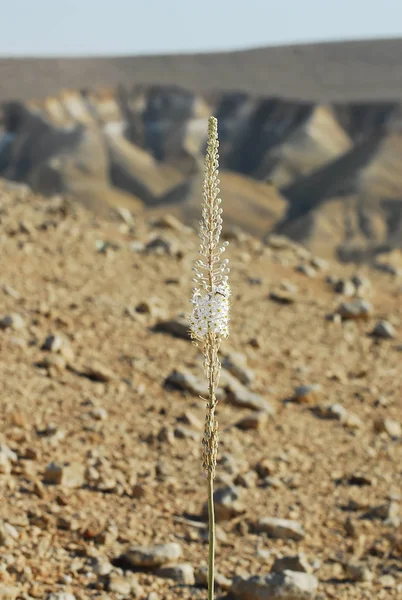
[185,433]
[284,529]
[118,584]
[284,297]
[13,321]
[254,421]
[182,573]
[98,372]
[228,503]
[383,330]
[238,395]
[247,480]
[297,562]
[8,534]
[177,328]
[7,458]
[236,364]
[307,270]
[306,394]
[288,585]
[345,287]
[53,343]
[160,245]
[9,592]
[201,578]
[152,556]
[60,596]
[358,572]
[170,222]
[357,309]
[339,413]
[184,380]
[71,475]
[101,566]
[388,426]
[99,413]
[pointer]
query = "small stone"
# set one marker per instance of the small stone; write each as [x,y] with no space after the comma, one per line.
[7,458]
[228,503]
[160,245]
[388,426]
[357,309]
[284,529]
[345,287]
[306,394]
[99,413]
[358,572]
[170,222]
[71,475]
[288,585]
[152,556]
[201,578]
[98,372]
[265,467]
[101,566]
[386,512]
[9,592]
[177,328]
[319,263]
[166,434]
[118,584]
[238,395]
[253,421]
[297,562]
[307,270]
[339,413]
[236,364]
[189,418]
[383,330]
[387,581]
[60,596]
[8,534]
[284,297]
[185,433]
[247,480]
[10,291]
[182,573]
[184,380]
[53,343]
[13,321]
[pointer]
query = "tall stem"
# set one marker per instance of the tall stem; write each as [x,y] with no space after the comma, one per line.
[211,550]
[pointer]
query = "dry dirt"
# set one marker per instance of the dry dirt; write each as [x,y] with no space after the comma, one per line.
[68,273]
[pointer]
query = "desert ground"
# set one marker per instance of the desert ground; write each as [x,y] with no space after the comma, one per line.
[101,417]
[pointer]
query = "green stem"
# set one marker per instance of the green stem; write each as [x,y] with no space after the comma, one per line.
[211,551]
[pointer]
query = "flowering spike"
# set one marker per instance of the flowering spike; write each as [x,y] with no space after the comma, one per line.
[210,314]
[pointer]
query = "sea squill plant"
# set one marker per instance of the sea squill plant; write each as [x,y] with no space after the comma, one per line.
[209,318]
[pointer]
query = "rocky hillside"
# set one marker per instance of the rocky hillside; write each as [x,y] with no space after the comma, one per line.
[322,167]
[102,496]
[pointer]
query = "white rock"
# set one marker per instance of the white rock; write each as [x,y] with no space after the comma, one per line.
[153,556]
[288,585]
[284,529]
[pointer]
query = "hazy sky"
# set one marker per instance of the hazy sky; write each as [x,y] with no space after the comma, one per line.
[43,27]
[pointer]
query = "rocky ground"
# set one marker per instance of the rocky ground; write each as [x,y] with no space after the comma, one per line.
[101,420]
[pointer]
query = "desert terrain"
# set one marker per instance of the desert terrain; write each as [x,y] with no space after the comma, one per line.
[102,495]
[321,168]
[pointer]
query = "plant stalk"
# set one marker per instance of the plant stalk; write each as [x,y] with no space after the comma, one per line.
[211,550]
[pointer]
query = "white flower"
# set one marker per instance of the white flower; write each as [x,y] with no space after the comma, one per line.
[210,312]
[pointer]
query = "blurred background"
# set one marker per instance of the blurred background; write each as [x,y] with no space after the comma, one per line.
[109,104]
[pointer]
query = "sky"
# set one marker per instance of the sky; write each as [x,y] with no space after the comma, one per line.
[96,27]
